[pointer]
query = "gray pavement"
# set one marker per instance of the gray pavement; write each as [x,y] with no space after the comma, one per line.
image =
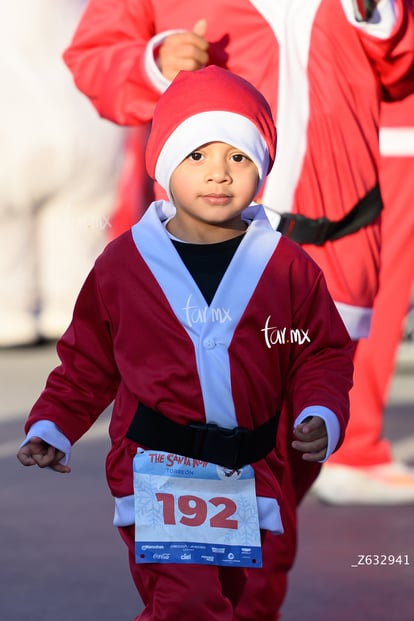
[61,558]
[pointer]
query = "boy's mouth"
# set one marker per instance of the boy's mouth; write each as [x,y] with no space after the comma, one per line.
[217,199]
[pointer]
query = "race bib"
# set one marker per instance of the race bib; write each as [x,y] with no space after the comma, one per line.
[192,511]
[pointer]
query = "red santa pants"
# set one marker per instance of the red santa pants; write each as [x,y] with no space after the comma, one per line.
[184,592]
[374,359]
[209,593]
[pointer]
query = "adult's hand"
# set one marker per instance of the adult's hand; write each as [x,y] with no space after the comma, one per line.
[184,51]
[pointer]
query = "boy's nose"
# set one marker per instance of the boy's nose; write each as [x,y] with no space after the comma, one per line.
[219,172]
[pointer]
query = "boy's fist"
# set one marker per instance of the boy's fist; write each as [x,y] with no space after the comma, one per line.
[39,453]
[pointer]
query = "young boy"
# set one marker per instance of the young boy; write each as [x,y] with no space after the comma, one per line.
[202,324]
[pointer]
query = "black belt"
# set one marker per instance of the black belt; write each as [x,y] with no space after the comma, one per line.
[231,448]
[317,231]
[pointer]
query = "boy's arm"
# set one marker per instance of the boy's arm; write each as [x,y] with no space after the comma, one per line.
[321,365]
[85,383]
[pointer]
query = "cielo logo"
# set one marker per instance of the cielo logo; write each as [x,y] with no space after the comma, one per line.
[279,336]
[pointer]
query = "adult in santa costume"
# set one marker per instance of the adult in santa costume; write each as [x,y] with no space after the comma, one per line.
[175,341]
[332,73]
[324,68]
[58,176]
[363,471]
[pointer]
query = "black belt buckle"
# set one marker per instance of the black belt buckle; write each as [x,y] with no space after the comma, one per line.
[219,445]
[287,224]
[304,230]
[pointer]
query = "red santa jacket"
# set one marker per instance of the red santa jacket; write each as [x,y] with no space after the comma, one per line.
[142,333]
[324,78]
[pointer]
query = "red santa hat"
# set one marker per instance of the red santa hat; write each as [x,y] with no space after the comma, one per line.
[208,105]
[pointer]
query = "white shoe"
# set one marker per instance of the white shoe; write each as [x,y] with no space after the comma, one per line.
[384,484]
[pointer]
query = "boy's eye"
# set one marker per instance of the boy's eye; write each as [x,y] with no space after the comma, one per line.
[196,156]
[239,157]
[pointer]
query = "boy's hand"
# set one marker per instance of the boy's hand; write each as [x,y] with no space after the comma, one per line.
[37,452]
[184,51]
[312,439]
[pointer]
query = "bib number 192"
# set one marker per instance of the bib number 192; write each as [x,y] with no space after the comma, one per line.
[193,511]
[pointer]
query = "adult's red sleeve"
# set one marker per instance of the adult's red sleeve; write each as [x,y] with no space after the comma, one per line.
[106,58]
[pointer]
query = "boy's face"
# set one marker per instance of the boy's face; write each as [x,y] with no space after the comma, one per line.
[213,185]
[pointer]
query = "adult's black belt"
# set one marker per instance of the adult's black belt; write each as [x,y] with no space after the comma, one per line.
[231,448]
[317,231]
